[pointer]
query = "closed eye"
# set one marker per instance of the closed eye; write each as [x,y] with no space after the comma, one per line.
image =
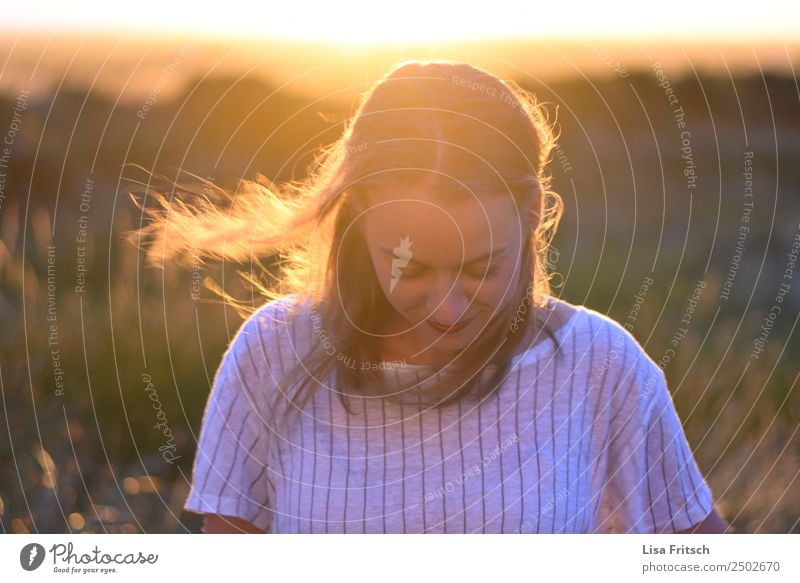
[492,271]
[489,273]
[412,273]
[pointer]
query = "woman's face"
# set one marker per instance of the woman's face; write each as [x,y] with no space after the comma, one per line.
[445,267]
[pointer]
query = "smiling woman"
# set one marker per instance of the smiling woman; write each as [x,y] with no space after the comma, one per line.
[421,238]
[441,297]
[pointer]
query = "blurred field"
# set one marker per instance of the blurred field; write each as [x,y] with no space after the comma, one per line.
[88,460]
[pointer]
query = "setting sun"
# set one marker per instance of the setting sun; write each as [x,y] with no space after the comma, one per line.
[420,21]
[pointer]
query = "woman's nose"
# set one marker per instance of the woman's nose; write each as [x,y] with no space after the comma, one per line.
[447,302]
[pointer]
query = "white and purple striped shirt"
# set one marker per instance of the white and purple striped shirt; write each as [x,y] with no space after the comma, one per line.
[581,437]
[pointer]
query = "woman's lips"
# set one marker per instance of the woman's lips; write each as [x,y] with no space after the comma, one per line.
[449,329]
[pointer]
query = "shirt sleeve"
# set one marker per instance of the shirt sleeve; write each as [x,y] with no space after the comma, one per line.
[653,482]
[230,475]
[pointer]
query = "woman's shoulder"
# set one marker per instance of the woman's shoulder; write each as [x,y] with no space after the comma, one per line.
[266,340]
[277,318]
[283,325]
[277,311]
[589,326]
[634,380]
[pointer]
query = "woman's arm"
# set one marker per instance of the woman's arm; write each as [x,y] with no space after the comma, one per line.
[713,524]
[218,524]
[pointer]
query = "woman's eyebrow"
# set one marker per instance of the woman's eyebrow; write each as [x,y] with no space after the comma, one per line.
[497,253]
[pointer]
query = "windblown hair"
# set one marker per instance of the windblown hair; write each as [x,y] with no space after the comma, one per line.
[448,125]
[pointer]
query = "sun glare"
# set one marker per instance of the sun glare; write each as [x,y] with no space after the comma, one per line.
[421,21]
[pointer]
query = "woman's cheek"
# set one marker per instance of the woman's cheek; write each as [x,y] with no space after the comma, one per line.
[489,292]
[405,294]
[498,290]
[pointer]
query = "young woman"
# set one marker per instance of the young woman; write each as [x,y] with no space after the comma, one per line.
[414,373]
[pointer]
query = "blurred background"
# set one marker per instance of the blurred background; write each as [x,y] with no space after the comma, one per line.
[678,161]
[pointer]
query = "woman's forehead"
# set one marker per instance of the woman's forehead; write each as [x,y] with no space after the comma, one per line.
[459,199]
[465,229]
[413,205]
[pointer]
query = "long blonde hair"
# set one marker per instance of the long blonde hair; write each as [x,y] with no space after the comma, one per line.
[428,119]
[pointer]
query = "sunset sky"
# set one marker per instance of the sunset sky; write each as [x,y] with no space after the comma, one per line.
[350,21]
[122,48]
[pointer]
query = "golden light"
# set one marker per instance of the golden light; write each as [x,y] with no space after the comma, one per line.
[419,21]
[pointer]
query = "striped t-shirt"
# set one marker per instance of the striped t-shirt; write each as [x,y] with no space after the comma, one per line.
[582,436]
